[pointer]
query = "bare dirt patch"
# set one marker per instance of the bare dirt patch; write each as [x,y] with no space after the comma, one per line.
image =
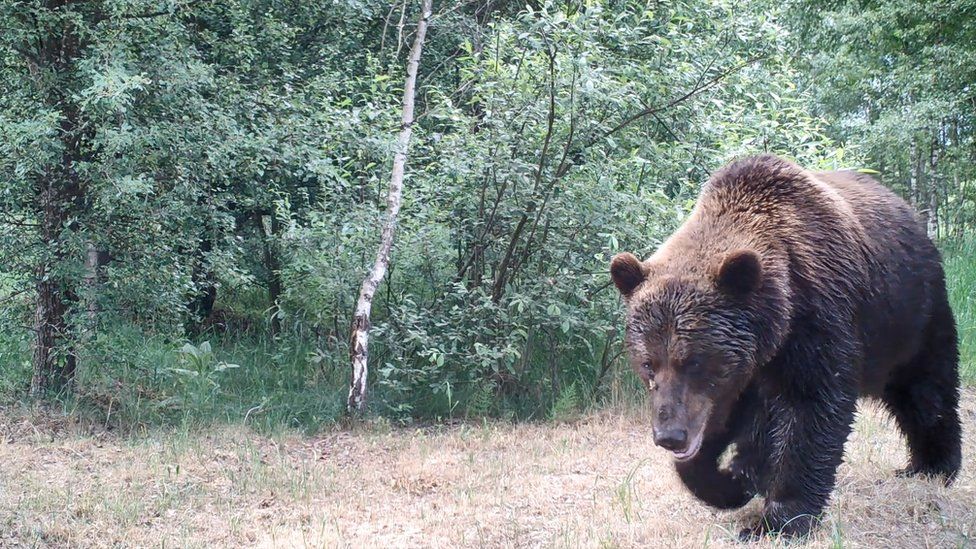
[597,482]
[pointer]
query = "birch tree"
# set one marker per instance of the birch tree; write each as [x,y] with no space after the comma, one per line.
[359,342]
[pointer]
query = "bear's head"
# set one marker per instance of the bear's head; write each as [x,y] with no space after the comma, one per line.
[695,336]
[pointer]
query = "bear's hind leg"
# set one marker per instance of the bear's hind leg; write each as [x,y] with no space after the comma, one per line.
[923,395]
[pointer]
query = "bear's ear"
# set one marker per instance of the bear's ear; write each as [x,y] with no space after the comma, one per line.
[627,272]
[740,272]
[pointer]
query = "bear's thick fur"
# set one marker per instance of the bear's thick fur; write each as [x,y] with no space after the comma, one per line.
[784,296]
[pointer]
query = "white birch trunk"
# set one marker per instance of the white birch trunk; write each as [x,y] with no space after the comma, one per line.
[913,175]
[359,340]
[932,224]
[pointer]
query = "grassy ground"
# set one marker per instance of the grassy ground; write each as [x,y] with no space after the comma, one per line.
[594,482]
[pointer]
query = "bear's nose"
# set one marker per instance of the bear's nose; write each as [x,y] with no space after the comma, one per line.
[672,439]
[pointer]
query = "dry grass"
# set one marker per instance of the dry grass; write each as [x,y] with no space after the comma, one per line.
[595,482]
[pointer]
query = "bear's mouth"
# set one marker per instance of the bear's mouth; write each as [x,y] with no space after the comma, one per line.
[694,445]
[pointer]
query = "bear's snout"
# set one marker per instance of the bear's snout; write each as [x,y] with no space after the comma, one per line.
[673,439]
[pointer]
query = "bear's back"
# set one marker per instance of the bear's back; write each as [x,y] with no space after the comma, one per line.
[839,237]
[905,277]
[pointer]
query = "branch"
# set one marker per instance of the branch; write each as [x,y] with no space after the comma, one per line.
[500,276]
[691,93]
[159,13]
[605,362]
[8,220]
[12,295]
[27,54]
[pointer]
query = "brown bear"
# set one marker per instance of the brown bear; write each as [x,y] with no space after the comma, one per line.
[784,296]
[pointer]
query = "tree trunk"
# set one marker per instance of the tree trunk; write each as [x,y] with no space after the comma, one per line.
[54,365]
[272,264]
[59,202]
[359,341]
[913,175]
[204,281]
[932,225]
[54,359]
[95,264]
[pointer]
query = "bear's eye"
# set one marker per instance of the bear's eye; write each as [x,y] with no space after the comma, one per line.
[649,370]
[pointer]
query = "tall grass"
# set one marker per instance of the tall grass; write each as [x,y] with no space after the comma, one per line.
[960,269]
[134,381]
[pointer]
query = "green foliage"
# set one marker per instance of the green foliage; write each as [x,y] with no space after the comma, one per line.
[960,266]
[894,81]
[567,404]
[143,380]
[197,379]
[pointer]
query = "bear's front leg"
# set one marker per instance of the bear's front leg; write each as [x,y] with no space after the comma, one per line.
[733,487]
[810,418]
[716,487]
